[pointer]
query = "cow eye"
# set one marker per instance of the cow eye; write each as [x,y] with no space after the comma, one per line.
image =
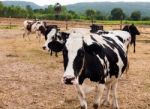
[59,37]
[53,38]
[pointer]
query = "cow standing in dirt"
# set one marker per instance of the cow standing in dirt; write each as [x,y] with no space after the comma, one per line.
[32,27]
[54,40]
[100,59]
[132,29]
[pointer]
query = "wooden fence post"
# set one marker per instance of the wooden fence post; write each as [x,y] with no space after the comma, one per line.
[9,22]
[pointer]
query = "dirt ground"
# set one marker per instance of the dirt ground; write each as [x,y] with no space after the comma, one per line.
[31,79]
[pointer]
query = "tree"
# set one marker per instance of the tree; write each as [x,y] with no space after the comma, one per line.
[99,15]
[117,14]
[30,11]
[1,9]
[1,4]
[90,13]
[136,15]
[73,14]
[146,18]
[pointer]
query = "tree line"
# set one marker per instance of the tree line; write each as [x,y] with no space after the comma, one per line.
[49,13]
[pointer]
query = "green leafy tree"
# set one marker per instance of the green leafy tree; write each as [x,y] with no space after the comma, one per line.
[90,13]
[117,14]
[73,14]
[136,15]
[1,9]
[146,18]
[99,15]
[30,11]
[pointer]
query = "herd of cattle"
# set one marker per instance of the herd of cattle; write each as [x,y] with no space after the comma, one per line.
[101,56]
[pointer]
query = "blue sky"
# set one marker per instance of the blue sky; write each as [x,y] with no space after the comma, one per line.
[65,2]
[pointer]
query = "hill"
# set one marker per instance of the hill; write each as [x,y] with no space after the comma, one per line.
[106,7]
[23,4]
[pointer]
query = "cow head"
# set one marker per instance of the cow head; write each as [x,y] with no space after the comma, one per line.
[55,40]
[132,29]
[73,55]
[49,37]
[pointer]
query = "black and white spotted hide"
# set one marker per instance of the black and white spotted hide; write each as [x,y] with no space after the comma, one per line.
[55,40]
[123,36]
[33,26]
[100,59]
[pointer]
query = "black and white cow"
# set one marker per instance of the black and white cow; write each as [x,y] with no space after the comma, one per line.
[32,26]
[100,59]
[55,40]
[45,30]
[132,29]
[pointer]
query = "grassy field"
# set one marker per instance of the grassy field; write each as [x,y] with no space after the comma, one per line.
[31,79]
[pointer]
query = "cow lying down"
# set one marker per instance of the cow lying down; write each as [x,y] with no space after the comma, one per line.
[100,58]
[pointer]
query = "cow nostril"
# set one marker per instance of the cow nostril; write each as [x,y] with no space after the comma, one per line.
[68,80]
[44,48]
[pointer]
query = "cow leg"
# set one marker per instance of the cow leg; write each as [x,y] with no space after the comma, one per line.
[51,53]
[28,33]
[106,101]
[134,46]
[39,35]
[81,96]
[56,54]
[98,96]
[114,92]
[25,34]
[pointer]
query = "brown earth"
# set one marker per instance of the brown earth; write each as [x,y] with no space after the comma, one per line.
[31,79]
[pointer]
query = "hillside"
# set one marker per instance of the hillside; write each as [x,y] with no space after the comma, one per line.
[23,4]
[106,7]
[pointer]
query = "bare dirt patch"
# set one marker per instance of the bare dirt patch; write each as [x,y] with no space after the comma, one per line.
[31,79]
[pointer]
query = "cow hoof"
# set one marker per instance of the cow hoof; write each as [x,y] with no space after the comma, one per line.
[106,103]
[83,107]
[115,107]
[95,106]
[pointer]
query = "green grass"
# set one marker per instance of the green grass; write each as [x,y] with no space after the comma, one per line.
[8,27]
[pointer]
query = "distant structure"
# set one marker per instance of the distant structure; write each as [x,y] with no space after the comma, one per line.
[57,9]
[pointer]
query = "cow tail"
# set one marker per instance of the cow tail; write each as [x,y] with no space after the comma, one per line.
[127,69]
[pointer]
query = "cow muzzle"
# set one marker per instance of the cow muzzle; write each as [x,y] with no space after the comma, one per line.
[69,80]
[44,48]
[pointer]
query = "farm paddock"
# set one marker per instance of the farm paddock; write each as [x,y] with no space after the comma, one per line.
[31,79]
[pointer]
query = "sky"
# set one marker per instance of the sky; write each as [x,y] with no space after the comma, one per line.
[65,2]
